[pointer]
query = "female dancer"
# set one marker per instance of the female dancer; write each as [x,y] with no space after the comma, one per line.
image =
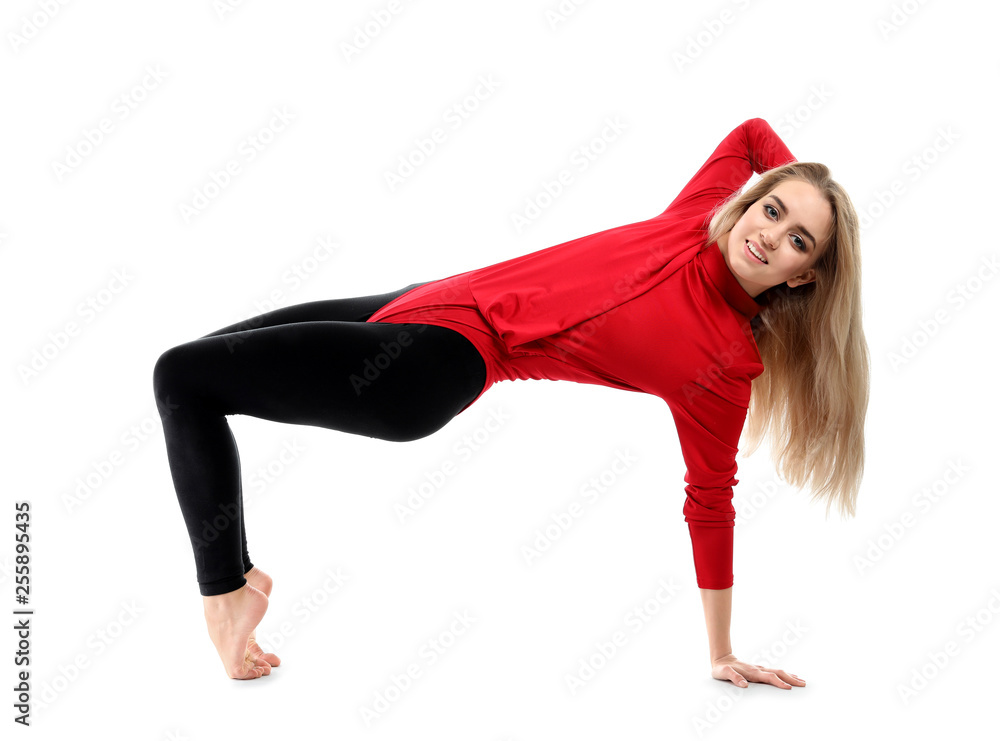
[692,306]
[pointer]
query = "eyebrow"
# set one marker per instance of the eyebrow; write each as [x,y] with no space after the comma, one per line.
[797,226]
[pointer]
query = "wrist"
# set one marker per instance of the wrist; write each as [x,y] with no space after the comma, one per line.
[721,656]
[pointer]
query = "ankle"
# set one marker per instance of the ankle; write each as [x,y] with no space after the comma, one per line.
[260,580]
[219,604]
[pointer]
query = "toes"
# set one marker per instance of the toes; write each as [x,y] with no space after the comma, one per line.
[251,668]
[253,671]
[245,673]
[257,652]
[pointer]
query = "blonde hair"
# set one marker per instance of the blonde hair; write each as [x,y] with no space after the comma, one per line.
[812,397]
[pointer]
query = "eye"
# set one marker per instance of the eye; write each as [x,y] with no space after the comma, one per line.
[796,239]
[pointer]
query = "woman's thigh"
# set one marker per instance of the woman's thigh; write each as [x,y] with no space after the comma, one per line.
[353,309]
[391,381]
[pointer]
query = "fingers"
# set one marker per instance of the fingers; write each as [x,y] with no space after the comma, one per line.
[740,674]
[789,677]
[735,677]
[778,677]
[766,676]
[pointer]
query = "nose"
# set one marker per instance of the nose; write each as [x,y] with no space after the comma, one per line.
[765,240]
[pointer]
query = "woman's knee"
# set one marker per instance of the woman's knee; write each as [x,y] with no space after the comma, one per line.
[171,373]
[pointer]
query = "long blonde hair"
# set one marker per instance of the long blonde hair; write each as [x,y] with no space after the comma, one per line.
[812,397]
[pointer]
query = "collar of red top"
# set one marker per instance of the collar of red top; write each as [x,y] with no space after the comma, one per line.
[735,295]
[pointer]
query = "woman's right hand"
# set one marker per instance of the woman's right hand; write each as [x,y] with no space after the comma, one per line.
[729,668]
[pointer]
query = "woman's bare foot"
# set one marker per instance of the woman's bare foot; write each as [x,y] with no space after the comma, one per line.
[231,618]
[258,579]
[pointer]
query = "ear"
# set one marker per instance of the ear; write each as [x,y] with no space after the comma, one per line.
[802,278]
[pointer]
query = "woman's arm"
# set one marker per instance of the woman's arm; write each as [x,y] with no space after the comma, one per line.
[718,604]
[709,421]
[752,147]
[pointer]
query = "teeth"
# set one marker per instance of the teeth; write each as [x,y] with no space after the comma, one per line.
[753,250]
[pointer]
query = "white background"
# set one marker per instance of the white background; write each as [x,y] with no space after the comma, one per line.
[867,88]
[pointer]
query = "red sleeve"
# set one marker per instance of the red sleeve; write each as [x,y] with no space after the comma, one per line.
[752,147]
[709,421]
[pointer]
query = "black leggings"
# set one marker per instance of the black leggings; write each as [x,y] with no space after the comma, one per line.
[317,363]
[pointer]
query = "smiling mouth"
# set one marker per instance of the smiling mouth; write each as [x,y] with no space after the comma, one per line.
[756,252]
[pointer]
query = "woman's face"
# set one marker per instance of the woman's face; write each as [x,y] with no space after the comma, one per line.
[788,227]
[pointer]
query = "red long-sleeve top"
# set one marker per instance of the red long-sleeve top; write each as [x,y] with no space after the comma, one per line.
[646,307]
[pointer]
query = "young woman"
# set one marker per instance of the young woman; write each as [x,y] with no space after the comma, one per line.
[727,305]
